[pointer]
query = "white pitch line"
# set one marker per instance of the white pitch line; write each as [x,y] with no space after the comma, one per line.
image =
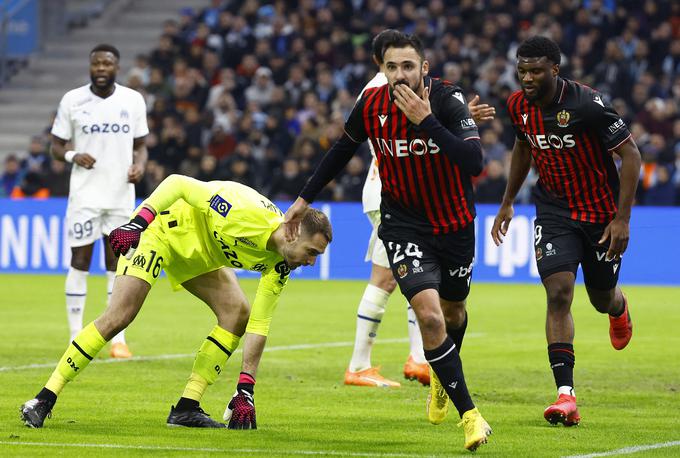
[212,450]
[628,450]
[310,346]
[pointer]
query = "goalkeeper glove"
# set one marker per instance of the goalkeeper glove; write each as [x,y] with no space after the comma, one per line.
[240,412]
[125,238]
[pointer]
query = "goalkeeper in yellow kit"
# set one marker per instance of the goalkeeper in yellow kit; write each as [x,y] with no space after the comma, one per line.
[196,232]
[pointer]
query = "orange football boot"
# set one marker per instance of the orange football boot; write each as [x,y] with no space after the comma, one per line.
[369,377]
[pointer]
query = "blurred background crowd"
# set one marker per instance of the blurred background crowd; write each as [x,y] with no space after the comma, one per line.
[256,92]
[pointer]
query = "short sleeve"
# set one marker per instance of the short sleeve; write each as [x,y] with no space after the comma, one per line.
[62,126]
[455,115]
[610,126]
[141,128]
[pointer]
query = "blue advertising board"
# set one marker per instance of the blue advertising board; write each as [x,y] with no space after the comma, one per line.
[33,240]
[22,26]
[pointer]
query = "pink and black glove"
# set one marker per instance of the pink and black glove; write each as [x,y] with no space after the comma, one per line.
[240,412]
[126,237]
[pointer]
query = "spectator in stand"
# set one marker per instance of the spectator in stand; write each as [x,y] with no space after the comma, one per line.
[164,56]
[141,69]
[38,160]
[191,165]
[351,181]
[287,181]
[662,191]
[491,188]
[262,89]
[33,185]
[58,179]
[12,175]
[215,61]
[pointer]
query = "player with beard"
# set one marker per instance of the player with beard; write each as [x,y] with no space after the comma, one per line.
[106,126]
[381,283]
[582,212]
[428,149]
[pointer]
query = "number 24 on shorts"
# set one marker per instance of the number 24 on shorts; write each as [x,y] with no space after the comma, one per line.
[411,250]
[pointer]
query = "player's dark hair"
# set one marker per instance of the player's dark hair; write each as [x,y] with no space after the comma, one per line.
[538,46]
[314,222]
[106,48]
[379,41]
[402,40]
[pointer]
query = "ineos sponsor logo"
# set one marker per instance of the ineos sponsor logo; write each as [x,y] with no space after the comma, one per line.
[402,148]
[616,126]
[468,123]
[549,141]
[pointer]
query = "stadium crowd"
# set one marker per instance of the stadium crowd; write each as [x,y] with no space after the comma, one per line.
[256,92]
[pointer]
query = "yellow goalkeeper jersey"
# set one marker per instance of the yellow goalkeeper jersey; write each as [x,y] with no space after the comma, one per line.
[201,226]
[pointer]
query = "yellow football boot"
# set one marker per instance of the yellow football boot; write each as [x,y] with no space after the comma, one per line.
[476,429]
[437,400]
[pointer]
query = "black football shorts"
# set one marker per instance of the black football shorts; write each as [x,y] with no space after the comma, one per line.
[441,262]
[562,244]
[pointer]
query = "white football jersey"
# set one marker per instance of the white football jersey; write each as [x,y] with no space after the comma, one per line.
[370,197]
[105,129]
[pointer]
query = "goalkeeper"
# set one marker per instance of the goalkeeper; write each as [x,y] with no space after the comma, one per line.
[196,232]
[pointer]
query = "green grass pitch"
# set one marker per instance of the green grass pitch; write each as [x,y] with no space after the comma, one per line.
[628,398]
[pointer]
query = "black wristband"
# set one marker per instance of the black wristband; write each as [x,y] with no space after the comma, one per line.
[140,221]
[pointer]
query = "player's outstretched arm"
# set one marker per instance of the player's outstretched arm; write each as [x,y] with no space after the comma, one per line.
[519,169]
[240,411]
[194,192]
[293,218]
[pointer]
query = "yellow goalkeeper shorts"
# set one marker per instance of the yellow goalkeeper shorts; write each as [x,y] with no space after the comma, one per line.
[178,242]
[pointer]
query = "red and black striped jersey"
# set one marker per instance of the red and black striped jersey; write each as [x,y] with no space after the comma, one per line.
[422,187]
[571,141]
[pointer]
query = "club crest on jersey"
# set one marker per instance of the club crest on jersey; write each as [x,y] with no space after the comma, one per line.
[382,118]
[220,205]
[563,118]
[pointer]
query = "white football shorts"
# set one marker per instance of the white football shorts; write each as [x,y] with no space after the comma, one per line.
[86,225]
[376,249]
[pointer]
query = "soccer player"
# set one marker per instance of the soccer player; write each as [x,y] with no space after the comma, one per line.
[197,232]
[428,148]
[106,124]
[582,213]
[381,283]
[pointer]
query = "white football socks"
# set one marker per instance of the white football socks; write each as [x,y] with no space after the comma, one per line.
[76,293]
[414,336]
[566,390]
[370,313]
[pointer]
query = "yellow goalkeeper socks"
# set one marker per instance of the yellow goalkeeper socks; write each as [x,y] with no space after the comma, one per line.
[79,353]
[211,358]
